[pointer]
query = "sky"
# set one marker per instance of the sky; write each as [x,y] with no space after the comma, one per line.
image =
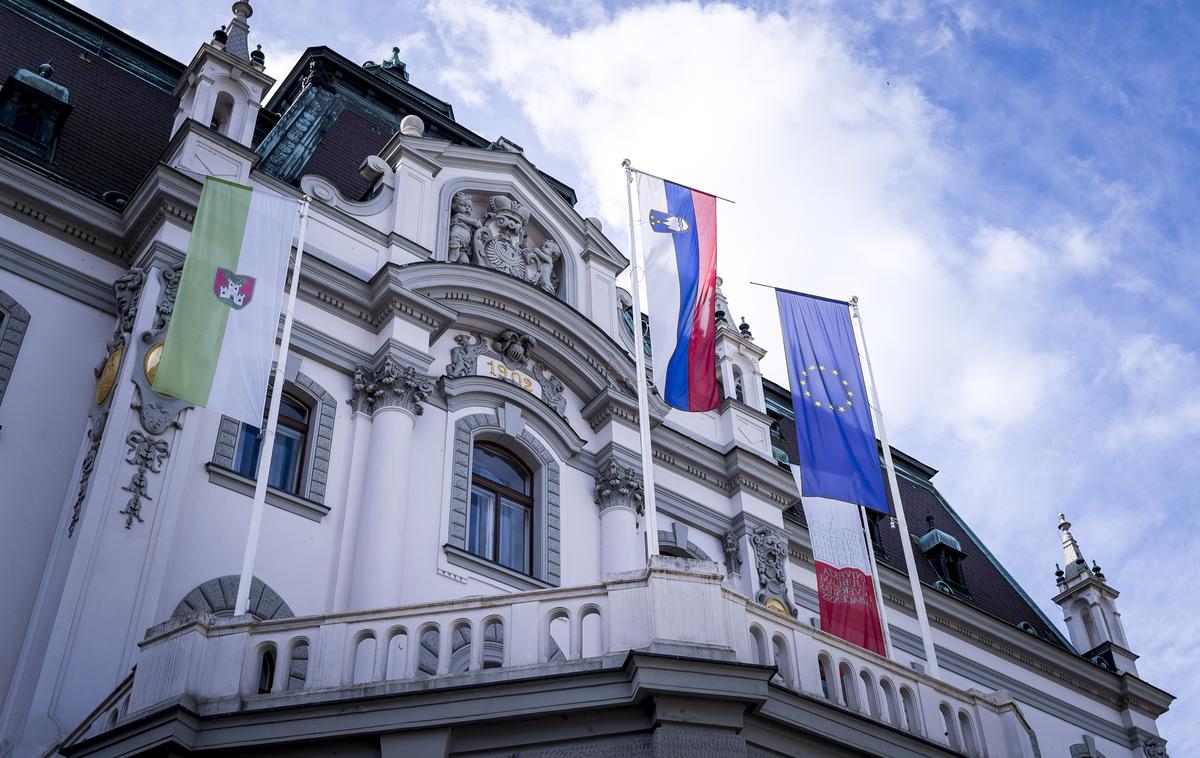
[1008,187]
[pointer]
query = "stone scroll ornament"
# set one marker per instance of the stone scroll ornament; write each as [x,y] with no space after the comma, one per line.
[499,241]
[770,557]
[147,454]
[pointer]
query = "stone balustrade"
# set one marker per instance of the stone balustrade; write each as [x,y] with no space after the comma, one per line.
[677,607]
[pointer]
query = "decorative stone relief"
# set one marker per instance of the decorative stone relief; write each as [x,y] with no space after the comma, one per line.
[390,385]
[1155,749]
[146,454]
[515,351]
[619,486]
[462,358]
[94,435]
[500,241]
[770,557]
[733,553]
[127,289]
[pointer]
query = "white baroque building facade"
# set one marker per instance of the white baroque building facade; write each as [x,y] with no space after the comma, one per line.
[450,560]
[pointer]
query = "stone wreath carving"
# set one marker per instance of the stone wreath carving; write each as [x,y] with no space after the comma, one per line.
[499,241]
[516,350]
[770,557]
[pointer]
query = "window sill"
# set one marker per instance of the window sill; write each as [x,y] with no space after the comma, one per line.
[244,485]
[464,559]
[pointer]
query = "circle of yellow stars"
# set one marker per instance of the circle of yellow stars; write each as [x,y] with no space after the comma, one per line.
[818,369]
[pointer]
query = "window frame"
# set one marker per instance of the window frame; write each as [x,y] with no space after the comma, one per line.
[499,491]
[304,429]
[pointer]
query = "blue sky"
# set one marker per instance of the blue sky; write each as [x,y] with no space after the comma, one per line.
[1008,187]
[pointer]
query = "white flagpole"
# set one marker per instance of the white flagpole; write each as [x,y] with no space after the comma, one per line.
[879,604]
[267,446]
[905,541]
[640,358]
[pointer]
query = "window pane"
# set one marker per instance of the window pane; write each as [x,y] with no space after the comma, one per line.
[289,408]
[514,536]
[481,523]
[285,461]
[246,460]
[493,464]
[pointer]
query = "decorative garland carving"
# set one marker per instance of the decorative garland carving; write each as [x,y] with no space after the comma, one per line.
[94,435]
[147,454]
[127,290]
[770,556]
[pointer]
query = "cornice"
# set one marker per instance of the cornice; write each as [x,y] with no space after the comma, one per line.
[53,275]
[47,204]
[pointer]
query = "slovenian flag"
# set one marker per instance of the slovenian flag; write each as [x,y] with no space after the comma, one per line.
[679,238]
[838,467]
[221,340]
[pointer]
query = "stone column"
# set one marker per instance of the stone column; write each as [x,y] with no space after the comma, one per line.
[392,394]
[619,494]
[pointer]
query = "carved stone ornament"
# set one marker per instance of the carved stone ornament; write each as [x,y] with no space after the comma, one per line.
[95,434]
[1155,749]
[127,289]
[158,413]
[390,385]
[462,358]
[619,486]
[770,557]
[552,390]
[515,347]
[515,350]
[499,241]
[733,553]
[147,455]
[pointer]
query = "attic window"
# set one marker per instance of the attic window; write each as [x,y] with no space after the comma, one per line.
[944,552]
[32,111]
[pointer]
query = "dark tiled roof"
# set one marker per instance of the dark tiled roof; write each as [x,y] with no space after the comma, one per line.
[991,590]
[347,143]
[120,92]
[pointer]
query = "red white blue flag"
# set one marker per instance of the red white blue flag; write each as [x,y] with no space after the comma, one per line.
[679,238]
[838,464]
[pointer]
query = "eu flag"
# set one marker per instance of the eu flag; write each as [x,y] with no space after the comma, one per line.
[835,436]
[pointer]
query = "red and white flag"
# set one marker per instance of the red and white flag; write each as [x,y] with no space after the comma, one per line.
[845,590]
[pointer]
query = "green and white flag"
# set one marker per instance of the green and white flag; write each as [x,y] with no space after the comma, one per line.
[221,340]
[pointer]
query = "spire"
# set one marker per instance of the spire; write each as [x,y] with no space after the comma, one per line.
[1072,555]
[238,31]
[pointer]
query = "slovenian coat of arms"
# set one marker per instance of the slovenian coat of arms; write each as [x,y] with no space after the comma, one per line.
[233,290]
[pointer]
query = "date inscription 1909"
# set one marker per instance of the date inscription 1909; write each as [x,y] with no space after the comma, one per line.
[500,371]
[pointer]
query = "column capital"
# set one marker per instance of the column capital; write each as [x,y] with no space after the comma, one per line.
[619,486]
[389,384]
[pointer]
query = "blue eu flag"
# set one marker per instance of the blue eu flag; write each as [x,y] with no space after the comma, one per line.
[838,456]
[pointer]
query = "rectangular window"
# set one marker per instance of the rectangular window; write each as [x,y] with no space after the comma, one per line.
[285,460]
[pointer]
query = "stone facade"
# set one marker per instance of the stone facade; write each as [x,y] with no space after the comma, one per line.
[451,293]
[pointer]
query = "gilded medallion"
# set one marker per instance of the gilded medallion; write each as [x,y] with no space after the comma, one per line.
[108,374]
[150,364]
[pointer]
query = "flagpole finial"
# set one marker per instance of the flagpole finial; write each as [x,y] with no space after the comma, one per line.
[626,163]
[854,300]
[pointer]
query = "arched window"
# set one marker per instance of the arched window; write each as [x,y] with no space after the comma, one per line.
[500,516]
[950,727]
[912,722]
[266,670]
[297,666]
[783,661]
[222,113]
[970,746]
[291,440]
[739,386]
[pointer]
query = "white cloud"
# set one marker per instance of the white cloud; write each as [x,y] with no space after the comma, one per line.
[990,359]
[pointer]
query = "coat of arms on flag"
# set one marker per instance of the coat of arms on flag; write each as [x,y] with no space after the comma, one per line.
[231,289]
